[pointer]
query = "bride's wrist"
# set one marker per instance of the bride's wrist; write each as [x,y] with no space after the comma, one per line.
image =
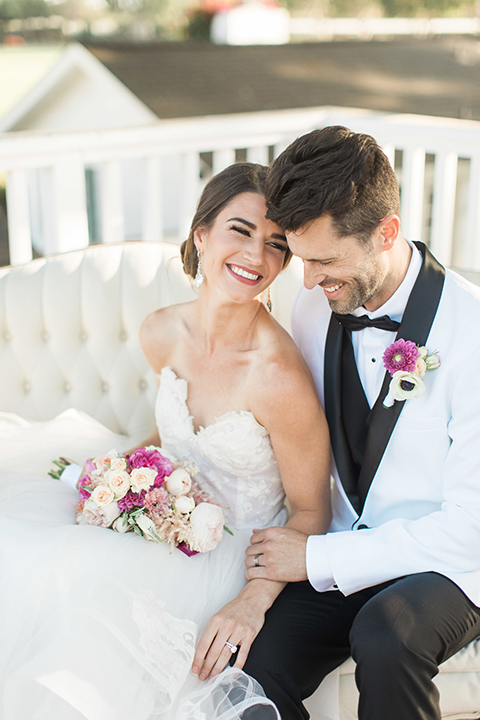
[263,592]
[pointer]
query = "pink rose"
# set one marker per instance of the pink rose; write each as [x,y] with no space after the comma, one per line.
[206,523]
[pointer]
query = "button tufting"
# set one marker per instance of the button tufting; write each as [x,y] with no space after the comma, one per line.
[143,384]
[7,337]
[45,336]
[27,386]
[83,336]
[105,387]
[67,386]
[123,336]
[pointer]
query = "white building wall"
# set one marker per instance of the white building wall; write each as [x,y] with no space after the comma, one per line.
[81,102]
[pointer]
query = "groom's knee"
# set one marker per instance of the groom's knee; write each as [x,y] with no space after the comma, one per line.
[385,636]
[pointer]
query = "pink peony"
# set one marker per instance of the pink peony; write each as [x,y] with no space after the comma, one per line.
[401,355]
[142,458]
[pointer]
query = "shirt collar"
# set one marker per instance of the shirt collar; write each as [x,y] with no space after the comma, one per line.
[395,305]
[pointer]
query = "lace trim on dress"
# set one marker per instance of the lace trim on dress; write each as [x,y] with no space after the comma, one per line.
[234,443]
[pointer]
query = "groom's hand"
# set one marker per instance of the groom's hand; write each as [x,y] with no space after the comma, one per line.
[280,555]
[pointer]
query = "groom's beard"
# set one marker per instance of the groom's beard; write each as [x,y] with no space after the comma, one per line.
[358,290]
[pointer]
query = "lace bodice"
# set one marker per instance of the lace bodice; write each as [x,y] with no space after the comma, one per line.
[234,454]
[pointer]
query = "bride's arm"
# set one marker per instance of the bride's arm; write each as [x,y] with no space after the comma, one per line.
[286,404]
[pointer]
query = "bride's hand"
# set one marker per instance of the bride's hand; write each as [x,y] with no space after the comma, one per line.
[238,623]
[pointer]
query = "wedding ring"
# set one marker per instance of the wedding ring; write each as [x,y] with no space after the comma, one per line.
[233,648]
[255,561]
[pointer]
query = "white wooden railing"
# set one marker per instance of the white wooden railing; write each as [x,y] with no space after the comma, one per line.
[437,161]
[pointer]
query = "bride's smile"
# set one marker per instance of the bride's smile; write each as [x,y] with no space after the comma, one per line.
[242,251]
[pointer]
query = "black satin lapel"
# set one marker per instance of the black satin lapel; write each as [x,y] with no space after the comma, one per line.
[333,406]
[416,323]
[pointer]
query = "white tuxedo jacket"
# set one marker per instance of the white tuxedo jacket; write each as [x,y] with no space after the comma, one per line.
[422,509]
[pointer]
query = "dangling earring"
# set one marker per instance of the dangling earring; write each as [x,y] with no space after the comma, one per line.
[269,301]
[199,276]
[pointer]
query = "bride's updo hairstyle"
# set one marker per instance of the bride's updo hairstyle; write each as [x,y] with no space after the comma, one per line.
[218,192]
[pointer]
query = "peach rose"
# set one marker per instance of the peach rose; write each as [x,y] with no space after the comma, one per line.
[118,481]
[102,496]
[142,479]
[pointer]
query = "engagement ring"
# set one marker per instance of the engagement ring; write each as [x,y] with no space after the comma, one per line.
[255,561]
[233,648]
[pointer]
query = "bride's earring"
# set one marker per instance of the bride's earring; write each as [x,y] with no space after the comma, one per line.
[269,301]
[199,276]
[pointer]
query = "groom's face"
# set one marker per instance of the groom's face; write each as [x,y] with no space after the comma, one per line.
[351,273]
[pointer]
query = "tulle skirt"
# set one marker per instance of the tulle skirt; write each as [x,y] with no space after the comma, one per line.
[95,624]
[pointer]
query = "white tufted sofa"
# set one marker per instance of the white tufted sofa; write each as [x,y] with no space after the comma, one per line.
[69,338]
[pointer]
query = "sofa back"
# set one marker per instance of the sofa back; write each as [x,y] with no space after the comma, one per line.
[69,329]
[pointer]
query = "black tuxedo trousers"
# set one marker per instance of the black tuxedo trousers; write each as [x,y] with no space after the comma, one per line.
[397,632]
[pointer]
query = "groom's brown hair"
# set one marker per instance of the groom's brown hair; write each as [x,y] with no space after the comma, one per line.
[337,172]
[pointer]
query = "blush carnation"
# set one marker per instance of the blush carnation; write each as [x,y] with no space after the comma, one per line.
[400,355]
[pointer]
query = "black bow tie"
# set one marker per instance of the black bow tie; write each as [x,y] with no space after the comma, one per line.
[352,322]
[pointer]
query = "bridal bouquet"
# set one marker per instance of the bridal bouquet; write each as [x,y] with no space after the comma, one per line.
[147,492]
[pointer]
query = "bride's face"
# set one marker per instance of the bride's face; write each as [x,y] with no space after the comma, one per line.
[243,252]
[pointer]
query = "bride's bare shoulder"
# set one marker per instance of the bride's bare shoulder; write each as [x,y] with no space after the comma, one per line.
[280,375]
[159,333]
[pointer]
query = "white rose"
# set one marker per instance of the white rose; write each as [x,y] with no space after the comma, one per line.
[178,482]
[100,516]
[102,496]
[142,479]
[118,481]
[121,524]
[184,505]
[206,523]
[405,385]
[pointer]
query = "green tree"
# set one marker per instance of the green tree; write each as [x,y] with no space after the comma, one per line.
[21,9]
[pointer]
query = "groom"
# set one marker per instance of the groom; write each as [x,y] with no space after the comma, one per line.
[396,581]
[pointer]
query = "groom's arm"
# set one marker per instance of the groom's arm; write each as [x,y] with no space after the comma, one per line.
[446,541]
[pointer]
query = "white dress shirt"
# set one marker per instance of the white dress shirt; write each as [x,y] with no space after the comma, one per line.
[369,345]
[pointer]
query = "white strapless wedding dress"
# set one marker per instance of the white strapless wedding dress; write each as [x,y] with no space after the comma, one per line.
[103,626]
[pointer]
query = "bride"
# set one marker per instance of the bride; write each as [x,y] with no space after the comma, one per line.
[107,626]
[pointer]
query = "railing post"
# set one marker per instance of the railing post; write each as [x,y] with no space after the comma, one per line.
[112,202]
[19,237]
[258,155]
[222,159]
[472,234]
[189,188]
[152,220]
[389,150]
[70,206]
[443,208]
[413,179]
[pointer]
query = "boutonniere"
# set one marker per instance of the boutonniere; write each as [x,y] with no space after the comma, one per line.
[407,363]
